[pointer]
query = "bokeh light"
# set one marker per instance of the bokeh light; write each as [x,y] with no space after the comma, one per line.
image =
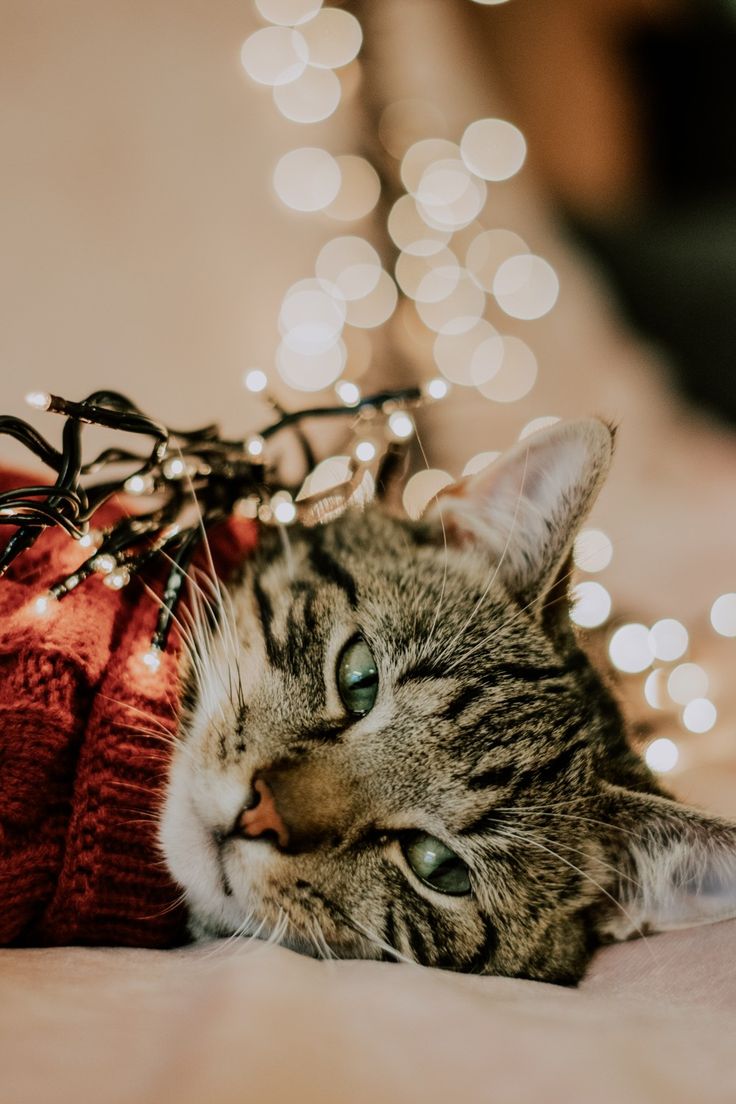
[375,308]
[593,550]
[311,319]
[274,55]
[487,252]
[332,472]
[307,179]
[360,189]
[662,755]
[723,615]
[537,424]
[479,462]
[255,380]
[422,488]
[421,155]
[349,264]
[516,376]
[655,689]
[333,38]
[493,149]
[699,715]
[668,639]
[629,648]
[401,425]
[348,392]
[471,357]
[312,97]
[428,279]
[305,372]
[687,682]
[457,312]
[365,451]
[526,287]
[411,233]
[288,13]
[591,605]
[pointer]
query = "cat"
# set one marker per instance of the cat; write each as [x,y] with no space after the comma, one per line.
[395,746]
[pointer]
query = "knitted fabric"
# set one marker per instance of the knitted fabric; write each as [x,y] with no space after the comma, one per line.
[85,738]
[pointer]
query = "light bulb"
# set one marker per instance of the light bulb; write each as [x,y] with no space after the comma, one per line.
[152,659]
[39,400]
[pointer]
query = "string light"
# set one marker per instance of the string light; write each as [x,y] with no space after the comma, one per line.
[39,400]
[348,392]
[117,578]
[91,539]
[104,564]
[43,604]
[223,472]
[436,389]
[401,425]
[137,485]
[255,380]
[152,659]
[175,468]
[283,507]
[365,451]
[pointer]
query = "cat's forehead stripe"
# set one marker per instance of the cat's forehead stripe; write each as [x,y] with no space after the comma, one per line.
[328,568]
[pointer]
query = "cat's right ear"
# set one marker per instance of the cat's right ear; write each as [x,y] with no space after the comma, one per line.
[676,865]
[527,507]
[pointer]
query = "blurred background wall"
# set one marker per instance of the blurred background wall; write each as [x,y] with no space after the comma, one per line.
[145,247]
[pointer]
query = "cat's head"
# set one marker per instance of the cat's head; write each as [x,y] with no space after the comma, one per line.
[397,747]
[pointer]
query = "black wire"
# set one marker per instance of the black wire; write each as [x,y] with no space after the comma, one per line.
[217,473]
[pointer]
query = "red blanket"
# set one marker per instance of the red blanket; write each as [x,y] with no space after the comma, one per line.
[85,737]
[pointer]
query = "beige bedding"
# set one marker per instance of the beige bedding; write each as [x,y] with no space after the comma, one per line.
[654,1021]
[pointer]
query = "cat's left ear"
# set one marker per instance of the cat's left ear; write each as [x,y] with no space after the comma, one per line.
[527,507]
[676,865]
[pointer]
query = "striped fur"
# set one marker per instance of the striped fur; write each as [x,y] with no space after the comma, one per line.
[491,731]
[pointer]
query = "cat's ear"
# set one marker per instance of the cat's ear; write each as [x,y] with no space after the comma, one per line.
[527,507]
[677,866]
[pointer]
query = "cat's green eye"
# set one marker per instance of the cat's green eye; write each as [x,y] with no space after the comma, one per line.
[357,677]
[436,865]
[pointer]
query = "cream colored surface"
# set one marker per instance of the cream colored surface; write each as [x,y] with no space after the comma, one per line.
[654,1023]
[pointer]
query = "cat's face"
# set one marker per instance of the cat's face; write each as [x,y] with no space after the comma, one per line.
[396,745]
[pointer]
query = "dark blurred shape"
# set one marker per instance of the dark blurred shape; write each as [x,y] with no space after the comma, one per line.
[673,257]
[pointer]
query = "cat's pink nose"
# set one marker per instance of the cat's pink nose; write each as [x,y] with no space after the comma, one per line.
[263,817]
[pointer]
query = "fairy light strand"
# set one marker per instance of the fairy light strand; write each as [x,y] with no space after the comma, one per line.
[220,475]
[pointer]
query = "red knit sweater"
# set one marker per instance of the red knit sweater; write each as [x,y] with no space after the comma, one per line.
[85,731]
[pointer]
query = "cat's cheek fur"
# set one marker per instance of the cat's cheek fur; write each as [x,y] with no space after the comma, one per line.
[188,844]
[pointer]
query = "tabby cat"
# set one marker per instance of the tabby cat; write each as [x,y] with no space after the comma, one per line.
[396,748]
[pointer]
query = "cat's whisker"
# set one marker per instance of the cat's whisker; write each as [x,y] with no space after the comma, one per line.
[222,946]
[151,718]
[535,842]
[532,810]
[375,939]
[177,903]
